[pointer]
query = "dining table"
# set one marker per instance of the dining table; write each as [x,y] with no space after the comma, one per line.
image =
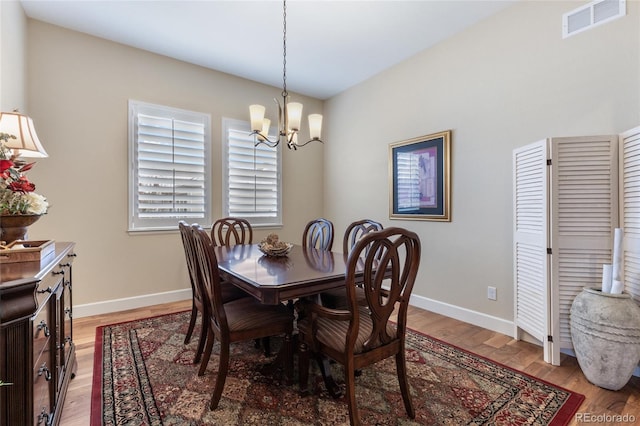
[304,272]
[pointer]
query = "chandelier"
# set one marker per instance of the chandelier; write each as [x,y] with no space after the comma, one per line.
[289,113]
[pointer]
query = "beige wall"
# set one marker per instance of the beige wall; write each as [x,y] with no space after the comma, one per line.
[79,87]
[506,82]
[13,24]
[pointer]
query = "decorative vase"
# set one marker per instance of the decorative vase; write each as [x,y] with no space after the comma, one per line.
[605,330]
[14,227]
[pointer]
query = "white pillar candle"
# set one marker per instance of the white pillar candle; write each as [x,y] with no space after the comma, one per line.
[606,278]
[616,287]
[617,254]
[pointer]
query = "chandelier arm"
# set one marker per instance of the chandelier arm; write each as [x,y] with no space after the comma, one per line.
[283,120]
[265,140]
[307,142]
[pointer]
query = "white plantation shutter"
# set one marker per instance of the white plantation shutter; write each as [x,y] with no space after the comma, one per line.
[252,176]
[630,210]
[572,209]
[531,240]
[584,214]
[170,175]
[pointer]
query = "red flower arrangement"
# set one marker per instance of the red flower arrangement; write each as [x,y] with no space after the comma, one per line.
[17,194]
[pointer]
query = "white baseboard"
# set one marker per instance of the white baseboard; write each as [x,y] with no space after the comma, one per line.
[116,305]
[109,306]
[472,317]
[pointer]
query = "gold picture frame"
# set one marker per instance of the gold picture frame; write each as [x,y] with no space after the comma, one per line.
[420,178]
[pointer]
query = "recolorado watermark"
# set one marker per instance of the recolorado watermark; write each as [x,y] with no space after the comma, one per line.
[605,418]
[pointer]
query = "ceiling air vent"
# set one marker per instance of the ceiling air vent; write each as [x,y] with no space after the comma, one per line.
[591,15]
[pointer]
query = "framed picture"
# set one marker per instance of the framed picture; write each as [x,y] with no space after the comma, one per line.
[420,178]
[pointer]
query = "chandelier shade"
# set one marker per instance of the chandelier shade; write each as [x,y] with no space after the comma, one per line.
[26,142]
[289,113]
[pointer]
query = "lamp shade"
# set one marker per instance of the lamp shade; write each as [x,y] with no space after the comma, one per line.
[315,126]
[294,110]
[26,141]
[256,113]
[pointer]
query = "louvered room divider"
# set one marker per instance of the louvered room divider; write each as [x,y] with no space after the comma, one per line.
[568,198]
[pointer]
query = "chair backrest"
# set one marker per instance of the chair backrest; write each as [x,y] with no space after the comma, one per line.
[357,230]
[320,260]
[389,261]
[208,267]
[190,256]
[230,231]
[318,234]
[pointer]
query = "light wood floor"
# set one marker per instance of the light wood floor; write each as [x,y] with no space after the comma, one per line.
[498,347]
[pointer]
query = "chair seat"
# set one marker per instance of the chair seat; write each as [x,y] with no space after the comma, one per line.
[333,333]
[249,314]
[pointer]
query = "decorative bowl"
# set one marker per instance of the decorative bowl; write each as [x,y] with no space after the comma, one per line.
[276,250]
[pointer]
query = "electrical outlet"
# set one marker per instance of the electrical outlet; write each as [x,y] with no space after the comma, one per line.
[492,293]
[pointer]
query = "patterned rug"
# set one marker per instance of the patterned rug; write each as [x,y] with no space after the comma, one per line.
[144,375]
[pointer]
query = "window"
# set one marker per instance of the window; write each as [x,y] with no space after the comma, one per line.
[252,184]
[169,176]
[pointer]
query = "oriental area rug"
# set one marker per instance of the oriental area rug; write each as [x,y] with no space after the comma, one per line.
[144,375]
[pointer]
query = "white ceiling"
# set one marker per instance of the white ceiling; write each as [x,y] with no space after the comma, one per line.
[331,45]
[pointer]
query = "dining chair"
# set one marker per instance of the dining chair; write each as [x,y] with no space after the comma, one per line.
[318,234]
[386,264]
[337,298]
[230,231]
[198,304]
[238,320]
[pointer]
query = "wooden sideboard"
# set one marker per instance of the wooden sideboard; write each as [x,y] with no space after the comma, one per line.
[37,353]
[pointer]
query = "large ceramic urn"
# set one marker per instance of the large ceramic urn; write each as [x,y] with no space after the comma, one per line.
[605,330]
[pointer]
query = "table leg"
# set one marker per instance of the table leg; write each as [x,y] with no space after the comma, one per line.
[283,360]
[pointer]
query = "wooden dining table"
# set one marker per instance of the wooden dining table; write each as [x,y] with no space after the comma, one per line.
[304,272]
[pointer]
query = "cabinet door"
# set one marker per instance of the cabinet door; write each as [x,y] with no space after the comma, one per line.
[67,315]
[44,349]
[63,323]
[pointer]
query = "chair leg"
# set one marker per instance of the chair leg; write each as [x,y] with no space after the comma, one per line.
[303,367]
[201,341]
[263,343]
[288,358]
[350,385]
[192,324]
[324,364]
[207,352]
[223,369]
[266,344]
[401,368]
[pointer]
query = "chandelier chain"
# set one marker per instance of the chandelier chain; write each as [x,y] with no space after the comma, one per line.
[288,113]
[284,50]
